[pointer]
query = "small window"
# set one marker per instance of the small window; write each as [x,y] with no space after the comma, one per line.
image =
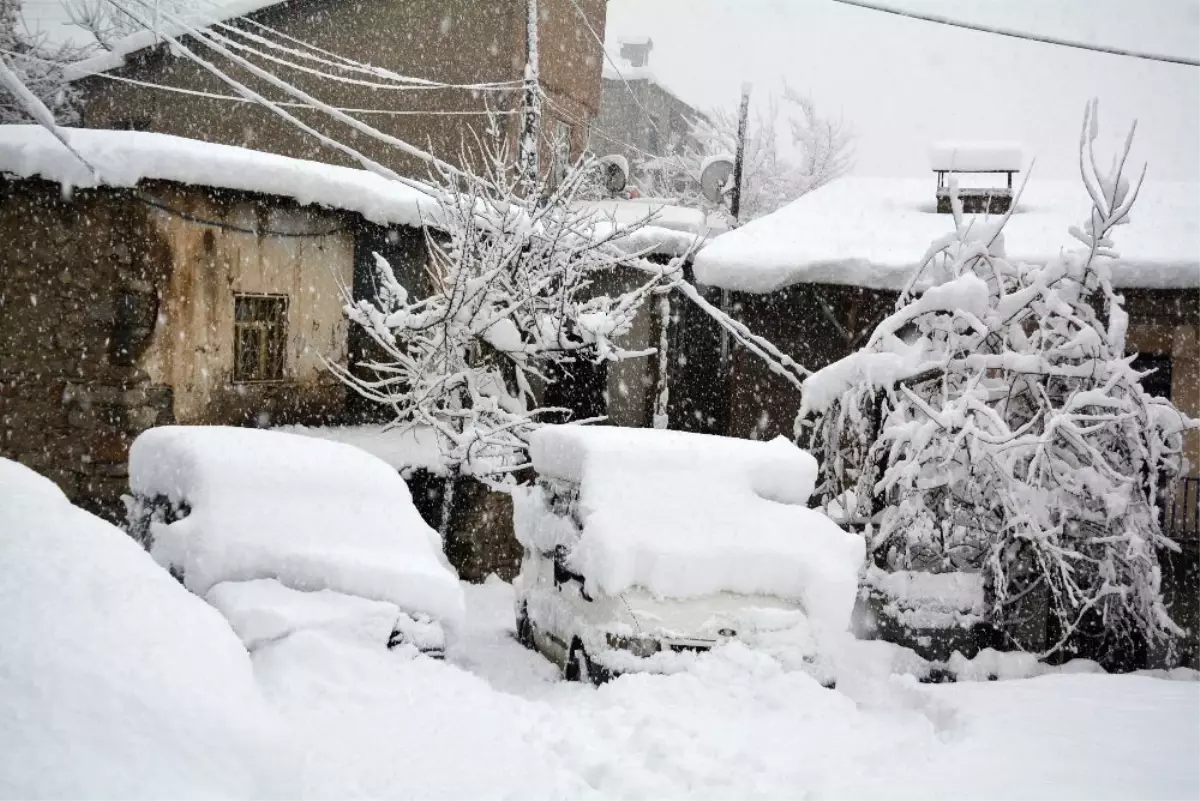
[260,337]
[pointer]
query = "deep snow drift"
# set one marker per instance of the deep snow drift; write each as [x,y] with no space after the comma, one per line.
[114,680]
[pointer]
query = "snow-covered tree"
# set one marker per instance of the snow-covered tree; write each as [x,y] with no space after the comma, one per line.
[511,302]
[38,66]
[823,150]
[994,423]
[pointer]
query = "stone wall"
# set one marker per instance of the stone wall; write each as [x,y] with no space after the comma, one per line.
[78,302]
[116,316]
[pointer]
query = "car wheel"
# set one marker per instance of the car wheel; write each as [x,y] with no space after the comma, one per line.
[580,667]
[524,627]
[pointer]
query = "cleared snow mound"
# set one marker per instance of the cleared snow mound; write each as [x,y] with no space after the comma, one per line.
[312,514]
[687,515]
[116,682]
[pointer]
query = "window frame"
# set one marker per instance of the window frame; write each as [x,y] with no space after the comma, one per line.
[270,331]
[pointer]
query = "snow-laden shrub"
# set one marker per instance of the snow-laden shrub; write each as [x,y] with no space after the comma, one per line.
[994,423]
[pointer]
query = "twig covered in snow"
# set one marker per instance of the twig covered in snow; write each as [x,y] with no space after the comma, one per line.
[994,423]
[511,302]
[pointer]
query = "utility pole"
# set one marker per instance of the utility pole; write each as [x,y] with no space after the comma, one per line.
[735,200]
[735,210]
[531,124]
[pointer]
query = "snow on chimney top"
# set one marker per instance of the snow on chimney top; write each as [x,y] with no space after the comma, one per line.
[636,50]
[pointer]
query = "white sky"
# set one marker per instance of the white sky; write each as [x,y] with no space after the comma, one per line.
[905,83]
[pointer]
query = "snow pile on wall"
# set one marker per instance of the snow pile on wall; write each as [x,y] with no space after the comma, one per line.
[975,156]
[114,680]
[125,158]
[313,514]
[687,515]
[403,449]
[874,232]
[664,228]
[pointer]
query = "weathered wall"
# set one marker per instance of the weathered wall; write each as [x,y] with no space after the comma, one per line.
[116,316]
[192,348]
[450,41]
[79,281]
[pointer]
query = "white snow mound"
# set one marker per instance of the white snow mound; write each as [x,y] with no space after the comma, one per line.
[310,513]
[687,515]
[976,156]
[126,158]
[115,682]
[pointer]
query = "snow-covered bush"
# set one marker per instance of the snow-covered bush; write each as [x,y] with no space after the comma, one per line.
[115,681]
[513,304]
[994,423]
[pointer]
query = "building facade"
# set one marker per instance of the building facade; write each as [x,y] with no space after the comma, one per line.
[475,52]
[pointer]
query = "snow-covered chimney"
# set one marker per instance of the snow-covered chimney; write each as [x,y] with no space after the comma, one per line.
[637,50]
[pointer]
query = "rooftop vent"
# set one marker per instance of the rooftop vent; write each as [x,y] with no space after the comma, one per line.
[976,159]
[636,50]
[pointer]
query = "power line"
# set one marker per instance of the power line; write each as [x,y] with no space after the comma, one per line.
[289,104]
[189,217]
[1032,37]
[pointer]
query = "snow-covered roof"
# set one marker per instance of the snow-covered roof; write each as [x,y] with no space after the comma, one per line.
[211,13]
[687,515]
[125,158]
[668,230]
[976,156]
[873,232]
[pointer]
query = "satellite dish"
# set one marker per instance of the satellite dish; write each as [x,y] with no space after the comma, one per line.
[616,173]
[715,173]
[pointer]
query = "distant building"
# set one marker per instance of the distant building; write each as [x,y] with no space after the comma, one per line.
[143,86]
[639,117]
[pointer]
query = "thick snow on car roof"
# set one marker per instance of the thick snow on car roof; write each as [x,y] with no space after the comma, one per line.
[310,513]
[874,232]
[686,515]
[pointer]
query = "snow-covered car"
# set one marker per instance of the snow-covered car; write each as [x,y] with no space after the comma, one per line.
[283,532]
[641,544]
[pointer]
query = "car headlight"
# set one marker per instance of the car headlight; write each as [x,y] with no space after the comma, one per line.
[638,646]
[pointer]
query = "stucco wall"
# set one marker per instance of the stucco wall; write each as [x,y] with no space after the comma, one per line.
[192,348]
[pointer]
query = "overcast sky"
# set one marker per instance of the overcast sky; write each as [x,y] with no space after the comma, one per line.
[905,83]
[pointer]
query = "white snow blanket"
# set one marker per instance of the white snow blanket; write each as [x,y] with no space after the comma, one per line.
[310,513]
[976,156]
[263,610]
[126,158]
[874,232]
[687,515]
[658,226]
[115,681]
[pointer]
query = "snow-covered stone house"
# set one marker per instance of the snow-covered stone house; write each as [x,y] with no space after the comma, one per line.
[470,54]
[181,282]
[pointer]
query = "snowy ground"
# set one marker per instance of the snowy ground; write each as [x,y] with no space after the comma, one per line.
[495,721]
